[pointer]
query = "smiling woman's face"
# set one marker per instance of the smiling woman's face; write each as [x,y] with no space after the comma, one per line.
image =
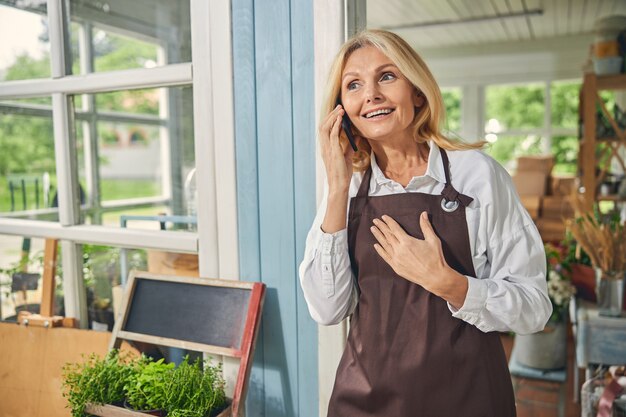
[378,99]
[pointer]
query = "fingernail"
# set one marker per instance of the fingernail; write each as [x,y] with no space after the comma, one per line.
[424,215]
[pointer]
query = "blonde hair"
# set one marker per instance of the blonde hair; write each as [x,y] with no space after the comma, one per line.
[428,118]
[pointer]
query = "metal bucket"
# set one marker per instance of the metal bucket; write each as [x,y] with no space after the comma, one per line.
[610,292]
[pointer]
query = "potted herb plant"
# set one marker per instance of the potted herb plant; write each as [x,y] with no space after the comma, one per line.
[191,389]
[146,388]
[97,380]
[195,389]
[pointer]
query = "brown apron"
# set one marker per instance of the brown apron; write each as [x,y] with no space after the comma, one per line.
[406,356]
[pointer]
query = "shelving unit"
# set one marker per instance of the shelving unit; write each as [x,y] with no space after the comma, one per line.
[590,156]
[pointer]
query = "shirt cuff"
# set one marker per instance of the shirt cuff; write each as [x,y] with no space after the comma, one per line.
[329,245]
[475,301]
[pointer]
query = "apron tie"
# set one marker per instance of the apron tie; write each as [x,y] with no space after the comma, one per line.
[453,195]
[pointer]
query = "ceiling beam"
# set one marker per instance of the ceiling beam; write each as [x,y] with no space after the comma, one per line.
[475,19]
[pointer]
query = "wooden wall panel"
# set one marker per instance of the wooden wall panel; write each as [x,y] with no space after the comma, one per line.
[30,370]
[275,150]
[304,128]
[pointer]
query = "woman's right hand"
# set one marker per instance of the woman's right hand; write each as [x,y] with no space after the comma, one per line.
[337,157]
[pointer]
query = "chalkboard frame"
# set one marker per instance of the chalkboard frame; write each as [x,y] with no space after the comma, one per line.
[248,338]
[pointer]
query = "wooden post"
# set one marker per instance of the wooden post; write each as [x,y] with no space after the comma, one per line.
[46,317]
[49,267]
[588,145]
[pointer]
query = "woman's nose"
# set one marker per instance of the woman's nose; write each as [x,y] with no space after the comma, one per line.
[372,93]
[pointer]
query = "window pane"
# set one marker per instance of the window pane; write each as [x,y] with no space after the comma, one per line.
[21,268]
[25,48]
[124,35]
[516,107]
[565,99]
[452,101]
[130,101]
[565,151]
[141,164]
[27,165]
[103,267]
[506,149]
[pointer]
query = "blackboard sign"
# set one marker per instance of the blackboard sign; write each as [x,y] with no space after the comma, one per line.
[184,311]
[206,315]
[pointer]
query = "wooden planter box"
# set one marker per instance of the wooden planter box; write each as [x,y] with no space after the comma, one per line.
[108,410]
[219,317]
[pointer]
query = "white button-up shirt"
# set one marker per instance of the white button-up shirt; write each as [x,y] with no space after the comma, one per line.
[509,291]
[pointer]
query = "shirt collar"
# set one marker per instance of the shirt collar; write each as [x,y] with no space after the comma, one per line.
[433,170]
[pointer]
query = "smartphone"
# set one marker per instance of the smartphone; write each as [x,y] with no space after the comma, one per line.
[346,125]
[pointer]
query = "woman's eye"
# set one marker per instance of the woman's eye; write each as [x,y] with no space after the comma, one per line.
[352,85]
[388,76]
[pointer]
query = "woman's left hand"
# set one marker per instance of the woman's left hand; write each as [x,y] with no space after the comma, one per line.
[419,261]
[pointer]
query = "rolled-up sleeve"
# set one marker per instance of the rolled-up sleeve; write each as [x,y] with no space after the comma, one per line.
[325,274]
[512,293]
[514,297]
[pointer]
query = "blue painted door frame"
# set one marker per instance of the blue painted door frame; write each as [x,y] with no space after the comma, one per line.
[275,151]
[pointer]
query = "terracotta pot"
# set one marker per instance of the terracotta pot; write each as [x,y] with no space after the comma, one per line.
[584,279]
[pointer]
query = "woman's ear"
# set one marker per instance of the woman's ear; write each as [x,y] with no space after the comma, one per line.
[418,99]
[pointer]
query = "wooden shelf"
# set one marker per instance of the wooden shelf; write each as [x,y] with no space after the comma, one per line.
[610,197]
[587,158]
[611,82]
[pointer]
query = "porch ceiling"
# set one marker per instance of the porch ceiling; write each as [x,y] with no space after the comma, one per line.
[432,24]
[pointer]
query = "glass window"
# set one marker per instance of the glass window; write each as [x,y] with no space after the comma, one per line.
[25,47]
[564,100]
[506,149]
[452,101]
[106,268]
[565,151]
[516,107]
[27,165]
[125,35]
[143,161]
[103,267]
[21,268]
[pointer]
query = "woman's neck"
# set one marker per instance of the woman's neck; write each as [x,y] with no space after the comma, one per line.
[401,163]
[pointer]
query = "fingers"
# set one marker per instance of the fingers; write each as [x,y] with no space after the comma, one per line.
[382,240]
[394,227]
[427,228]
[389,234]
[330,120]
[383,253]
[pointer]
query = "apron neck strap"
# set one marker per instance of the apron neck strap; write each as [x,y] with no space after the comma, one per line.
[448,191]
[365,184]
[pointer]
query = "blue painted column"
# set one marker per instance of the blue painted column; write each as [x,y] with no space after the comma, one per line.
[275,151]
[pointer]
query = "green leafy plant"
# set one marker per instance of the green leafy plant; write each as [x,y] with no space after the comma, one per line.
[195,389]
[192,389]
[147,387]
[97,380]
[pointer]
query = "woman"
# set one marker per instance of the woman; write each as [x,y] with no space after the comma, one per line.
[434,256]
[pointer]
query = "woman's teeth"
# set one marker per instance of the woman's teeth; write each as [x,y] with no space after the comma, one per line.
[378,112]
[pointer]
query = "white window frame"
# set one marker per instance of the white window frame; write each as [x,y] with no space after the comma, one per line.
[546,132]
[210,74]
